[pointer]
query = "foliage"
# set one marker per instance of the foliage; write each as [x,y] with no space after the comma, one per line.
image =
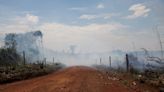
[9,56]
[27,71]
[8,53]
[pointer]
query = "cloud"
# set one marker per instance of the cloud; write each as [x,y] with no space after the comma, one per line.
[78,8]
[90,37]
[139,10]
[94,16]
[19,24]
[28,19]
[100,6]
[89,27]
[88,17]
[32,18]
[13,28]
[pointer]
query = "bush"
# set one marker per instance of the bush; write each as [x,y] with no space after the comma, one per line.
[26,72]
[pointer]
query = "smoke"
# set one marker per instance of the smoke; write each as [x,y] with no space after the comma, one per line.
[30,43]
[79,58]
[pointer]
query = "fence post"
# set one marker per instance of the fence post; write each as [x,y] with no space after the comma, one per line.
[110,62]
[53,60]
[45,62]
[127,62]
[24,58]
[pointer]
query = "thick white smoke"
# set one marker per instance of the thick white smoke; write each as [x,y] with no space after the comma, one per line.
[30,43]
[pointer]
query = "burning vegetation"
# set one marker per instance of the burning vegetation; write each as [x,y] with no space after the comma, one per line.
[21,58]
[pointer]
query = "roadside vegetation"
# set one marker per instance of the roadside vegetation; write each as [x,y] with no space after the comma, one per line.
[14,67]
[151,76]
[21,72]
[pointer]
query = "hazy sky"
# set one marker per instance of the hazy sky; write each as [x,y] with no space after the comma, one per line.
[91,25]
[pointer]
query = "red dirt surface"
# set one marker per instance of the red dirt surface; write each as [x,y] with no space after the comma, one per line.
[73,79]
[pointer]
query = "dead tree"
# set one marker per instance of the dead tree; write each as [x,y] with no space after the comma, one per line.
[160,41]
[152,58]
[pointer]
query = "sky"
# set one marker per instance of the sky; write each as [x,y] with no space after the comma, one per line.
[90,25]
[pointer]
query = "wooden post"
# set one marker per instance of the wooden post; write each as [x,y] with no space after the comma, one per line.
[127,62]
[24,58]
[110,61]
[53,60]
[100,60]
[45,62]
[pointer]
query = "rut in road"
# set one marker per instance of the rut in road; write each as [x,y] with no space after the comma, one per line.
[73,79]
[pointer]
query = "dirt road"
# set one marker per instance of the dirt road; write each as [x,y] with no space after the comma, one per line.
[73,79]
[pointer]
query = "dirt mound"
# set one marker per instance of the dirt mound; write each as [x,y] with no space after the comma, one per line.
[73,79]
